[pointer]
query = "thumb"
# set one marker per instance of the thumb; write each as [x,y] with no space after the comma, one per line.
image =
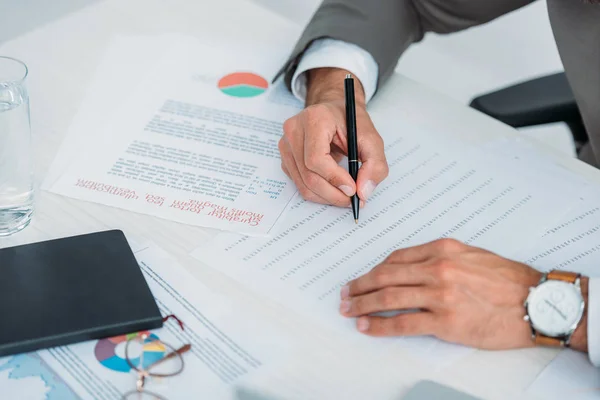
[374,168]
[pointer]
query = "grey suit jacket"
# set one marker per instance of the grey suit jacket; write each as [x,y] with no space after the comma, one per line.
[385,28]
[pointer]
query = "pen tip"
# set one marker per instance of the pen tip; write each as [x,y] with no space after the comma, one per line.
[348,76]
[356,221]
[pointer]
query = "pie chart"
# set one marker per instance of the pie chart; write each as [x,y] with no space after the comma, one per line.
[243,84]
[107,354]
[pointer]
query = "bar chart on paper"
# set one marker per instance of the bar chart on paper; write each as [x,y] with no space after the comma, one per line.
[243,84]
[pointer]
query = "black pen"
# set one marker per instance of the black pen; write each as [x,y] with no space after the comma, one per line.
[352,141]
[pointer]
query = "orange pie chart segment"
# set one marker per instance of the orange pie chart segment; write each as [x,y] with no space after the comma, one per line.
[243,84]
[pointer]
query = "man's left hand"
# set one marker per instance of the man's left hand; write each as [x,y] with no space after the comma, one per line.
[463,295]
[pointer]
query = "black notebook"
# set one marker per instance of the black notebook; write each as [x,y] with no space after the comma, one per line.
[70,290]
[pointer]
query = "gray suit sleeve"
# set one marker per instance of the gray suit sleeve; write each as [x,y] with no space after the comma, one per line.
[386,28]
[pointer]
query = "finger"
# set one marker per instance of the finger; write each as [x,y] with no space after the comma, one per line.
[407,324]
[411,255]
[374,168]
[319,159]
[388,299]
[285,157]
[317,184]
[337,156]
[324,189]
[420,253]
[284,169]
[387,275]
[288,164]
[292,170]
[314,158]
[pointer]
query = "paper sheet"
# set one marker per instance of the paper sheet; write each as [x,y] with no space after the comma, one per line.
[186,149]
[533,159]
[569,376]
[226,343]
[300,380]
[120,68]
[572,244]
[435,189]
[367,378]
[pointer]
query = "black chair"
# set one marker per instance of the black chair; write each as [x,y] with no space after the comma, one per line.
[536,102]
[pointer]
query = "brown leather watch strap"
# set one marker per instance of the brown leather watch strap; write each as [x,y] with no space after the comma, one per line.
[541,340]
[564,276]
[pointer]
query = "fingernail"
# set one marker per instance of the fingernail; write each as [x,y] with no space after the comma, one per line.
[345,306]
[362,324]
[346,189]
[345,292]
[368,189]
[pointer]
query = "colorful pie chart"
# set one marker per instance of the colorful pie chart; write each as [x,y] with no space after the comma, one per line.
[243,84]
[106,351]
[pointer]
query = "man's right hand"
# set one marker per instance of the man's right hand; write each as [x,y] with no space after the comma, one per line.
[315,140]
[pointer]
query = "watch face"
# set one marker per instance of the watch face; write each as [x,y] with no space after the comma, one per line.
[555,308]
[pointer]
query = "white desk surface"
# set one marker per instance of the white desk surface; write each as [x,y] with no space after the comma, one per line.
[62,57]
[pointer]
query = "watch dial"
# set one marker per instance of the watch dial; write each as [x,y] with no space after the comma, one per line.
[554,307]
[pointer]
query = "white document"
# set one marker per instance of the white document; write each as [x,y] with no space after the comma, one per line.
[435,189]
[569,376]
[572,244]
[120,68]
[227,344]
[196,143]
[533,159]
[319,375]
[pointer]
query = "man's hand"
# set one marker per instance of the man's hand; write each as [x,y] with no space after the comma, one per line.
[464,295]
[315,141]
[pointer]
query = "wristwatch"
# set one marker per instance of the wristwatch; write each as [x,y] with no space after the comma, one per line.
[554,308]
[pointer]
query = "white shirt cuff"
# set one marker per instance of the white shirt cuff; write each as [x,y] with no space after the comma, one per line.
[331,53]
[594,321]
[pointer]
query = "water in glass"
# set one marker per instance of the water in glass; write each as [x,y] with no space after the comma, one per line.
[16,175]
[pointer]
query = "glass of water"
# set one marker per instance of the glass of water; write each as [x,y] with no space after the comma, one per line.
[16,169]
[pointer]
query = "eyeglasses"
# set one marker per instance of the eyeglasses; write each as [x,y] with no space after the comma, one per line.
[150,357]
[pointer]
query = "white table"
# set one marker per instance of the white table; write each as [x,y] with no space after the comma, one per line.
[62,57]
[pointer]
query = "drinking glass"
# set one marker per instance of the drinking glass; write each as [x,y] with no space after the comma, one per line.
[16,169]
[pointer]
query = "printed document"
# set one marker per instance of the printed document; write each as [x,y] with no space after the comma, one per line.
[226,344]
[572,244]
[123,60]
[196,143]
[435,189]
